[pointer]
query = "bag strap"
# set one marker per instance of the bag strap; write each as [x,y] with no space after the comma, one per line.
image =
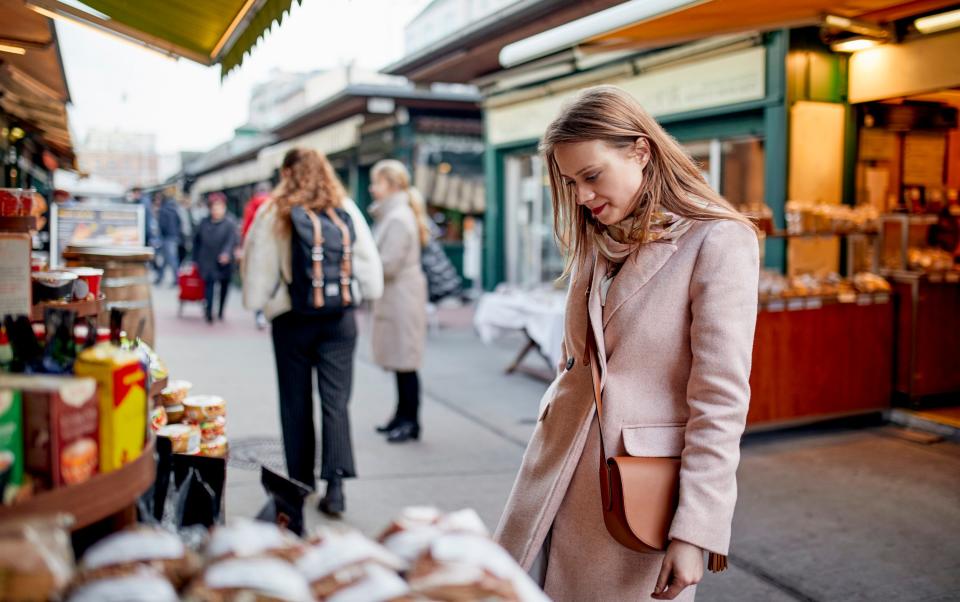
[346,264]
[316,256]
[716,563]
[592,359]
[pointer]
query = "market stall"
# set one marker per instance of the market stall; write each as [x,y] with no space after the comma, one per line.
[538,314]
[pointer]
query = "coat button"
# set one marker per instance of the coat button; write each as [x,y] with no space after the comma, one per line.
[570,363]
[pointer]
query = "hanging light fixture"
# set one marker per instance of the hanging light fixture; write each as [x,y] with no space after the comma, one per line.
[938,22]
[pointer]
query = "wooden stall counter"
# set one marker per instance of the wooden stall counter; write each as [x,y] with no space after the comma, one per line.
[815,359]
[928,336]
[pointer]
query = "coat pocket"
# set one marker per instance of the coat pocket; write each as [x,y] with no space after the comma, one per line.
[654,441]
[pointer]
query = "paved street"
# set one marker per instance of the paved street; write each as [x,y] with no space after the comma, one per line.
[841,513]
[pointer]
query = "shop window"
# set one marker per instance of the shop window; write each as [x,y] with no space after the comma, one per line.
[734,167]
[533,258]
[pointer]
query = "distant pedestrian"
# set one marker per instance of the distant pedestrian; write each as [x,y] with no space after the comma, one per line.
[400,316]
[186,228]
[309,260]
[214,245]
[171,231]
[260,196]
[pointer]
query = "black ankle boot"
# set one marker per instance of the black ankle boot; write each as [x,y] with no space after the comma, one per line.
[333,502]
[389,426]
[405,431]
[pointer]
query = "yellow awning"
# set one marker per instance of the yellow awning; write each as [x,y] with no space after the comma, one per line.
[205,31]
[32,82]
[715,17]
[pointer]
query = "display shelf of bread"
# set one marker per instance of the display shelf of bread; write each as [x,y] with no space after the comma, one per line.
[804,218]
[809,291]
[423,555]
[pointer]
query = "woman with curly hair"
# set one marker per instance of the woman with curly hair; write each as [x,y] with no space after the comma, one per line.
[308,335]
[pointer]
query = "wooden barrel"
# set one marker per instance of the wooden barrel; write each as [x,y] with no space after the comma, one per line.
[126,283]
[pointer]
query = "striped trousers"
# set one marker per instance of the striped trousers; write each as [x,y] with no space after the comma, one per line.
[301,344]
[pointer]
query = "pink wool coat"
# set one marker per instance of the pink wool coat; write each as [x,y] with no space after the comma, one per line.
[675,339]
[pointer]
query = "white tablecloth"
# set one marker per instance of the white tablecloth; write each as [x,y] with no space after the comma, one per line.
[538,312]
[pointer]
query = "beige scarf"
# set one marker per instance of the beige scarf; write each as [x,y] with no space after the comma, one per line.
[618,241]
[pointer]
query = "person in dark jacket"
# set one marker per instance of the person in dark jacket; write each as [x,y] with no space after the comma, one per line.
[171,230]
[214,245]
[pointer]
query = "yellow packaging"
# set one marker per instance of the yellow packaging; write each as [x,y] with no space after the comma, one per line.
[121,389]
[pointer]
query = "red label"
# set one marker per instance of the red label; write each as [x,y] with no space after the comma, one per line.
[126,378]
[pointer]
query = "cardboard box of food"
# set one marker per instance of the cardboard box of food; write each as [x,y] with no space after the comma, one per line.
[11,443]
[121,386]
[61,428]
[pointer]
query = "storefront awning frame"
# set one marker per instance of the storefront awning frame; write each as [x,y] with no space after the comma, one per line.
[643,24]
[204,31]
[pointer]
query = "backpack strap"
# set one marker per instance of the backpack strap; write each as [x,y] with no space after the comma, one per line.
[346,264]
[316,256]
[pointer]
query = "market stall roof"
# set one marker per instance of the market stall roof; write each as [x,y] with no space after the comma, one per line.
[87,186]
[359,99]
[33,87]
[640,24]
[472,51]
[205,31]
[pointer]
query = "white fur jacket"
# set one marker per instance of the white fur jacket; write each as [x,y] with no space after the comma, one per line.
[266,262]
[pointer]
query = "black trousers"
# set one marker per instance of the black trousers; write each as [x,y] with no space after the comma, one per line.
[208,296]
[408,397]
[302,344]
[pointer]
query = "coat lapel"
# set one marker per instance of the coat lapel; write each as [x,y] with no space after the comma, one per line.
[638,269]
[595,313]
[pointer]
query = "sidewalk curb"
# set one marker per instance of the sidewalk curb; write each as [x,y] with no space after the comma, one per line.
[909,419]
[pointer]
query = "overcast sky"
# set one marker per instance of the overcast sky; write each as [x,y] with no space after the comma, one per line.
[114,85]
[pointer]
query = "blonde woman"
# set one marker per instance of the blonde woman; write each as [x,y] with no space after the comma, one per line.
[277,278]
[664,277]
[400,315]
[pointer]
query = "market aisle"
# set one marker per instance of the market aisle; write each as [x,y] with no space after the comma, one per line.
[824,513]
[466,459]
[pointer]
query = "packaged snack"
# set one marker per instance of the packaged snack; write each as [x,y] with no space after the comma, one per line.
[213,429]
[250,579]
[175,392]
[125,552]
[143,585]
[88,282]
[214,449]
[174,414]
[36,558]
[53,286]
[61,426]
[244,538]
[158,418]
[184,438]
[200,408]
[123,402]
[11,442]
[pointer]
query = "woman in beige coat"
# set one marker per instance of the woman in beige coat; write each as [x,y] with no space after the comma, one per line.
[664,277]
[400,316]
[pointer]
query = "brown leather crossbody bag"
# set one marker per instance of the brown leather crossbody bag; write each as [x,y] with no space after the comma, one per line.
[639,494]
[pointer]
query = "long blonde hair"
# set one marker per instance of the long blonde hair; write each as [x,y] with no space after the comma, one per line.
[671,180]
[306,179]
[398,176]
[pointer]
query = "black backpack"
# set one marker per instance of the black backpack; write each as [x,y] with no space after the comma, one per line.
[322,261]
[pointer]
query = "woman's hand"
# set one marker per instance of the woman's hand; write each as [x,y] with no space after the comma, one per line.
[682,567]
